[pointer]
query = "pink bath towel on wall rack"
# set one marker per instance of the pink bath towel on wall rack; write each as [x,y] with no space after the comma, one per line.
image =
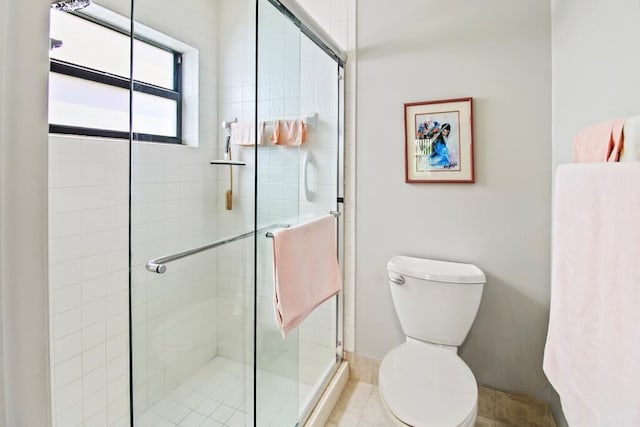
[306,272]
[592,353]
[601,142]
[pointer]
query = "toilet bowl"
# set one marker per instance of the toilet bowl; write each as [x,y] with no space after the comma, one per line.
[423,385]
[423,382]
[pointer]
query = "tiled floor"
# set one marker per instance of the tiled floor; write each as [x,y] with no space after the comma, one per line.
[360,406]
[214,396]
[218,395]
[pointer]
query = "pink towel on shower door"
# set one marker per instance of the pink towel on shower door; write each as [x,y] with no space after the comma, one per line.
[592,353]
[306,272]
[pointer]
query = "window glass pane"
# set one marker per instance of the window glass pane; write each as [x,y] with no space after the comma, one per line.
[78,102]
[154,115]
[75,101]
[90,45]
[152,65]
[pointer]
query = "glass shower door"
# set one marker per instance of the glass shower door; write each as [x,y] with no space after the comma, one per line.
[295,184]
[277,172]
[191,251]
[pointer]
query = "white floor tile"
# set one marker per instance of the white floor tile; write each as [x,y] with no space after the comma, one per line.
[219,394]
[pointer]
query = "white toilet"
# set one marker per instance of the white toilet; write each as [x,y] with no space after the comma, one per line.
[424,382]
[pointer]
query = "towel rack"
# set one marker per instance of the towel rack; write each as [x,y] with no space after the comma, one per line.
[309,120]
[157,265]
[334,213]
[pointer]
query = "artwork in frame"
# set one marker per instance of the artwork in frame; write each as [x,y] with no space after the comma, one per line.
[439,141]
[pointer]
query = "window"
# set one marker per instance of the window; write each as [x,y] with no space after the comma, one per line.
[89,82]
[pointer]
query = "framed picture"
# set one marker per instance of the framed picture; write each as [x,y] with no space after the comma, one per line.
[438,141]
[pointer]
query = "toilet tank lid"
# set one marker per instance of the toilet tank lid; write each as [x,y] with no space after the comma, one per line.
[435,270]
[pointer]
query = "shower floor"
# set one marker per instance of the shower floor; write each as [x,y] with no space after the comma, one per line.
[216,395]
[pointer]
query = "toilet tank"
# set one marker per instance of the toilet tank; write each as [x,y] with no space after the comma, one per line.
[436,301]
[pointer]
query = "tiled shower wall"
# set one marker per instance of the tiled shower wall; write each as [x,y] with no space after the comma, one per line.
[88,223]
[174,203]
[236,99]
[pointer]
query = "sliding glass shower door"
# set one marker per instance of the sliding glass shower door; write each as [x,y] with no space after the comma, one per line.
[208,180]
[192,214]
[297,181]
[278,182]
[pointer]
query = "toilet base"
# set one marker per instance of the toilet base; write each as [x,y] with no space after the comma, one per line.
[469,422]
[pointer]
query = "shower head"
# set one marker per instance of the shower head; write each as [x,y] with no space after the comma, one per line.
[69,5]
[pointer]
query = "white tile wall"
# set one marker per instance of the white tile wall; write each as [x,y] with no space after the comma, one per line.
[236,99]
[88,197]
[174,203]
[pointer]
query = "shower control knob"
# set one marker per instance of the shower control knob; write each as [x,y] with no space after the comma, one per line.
[397,280]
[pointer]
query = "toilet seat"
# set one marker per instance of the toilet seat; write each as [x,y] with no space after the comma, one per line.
[427,386]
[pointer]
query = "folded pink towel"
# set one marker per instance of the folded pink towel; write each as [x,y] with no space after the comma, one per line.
[244,133]
[289,132]
[599,143]
[592,353]
[305,267]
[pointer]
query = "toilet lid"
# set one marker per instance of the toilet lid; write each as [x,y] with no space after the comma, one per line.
[425,385]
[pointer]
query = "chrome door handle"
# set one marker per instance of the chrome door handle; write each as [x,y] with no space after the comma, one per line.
[397,280]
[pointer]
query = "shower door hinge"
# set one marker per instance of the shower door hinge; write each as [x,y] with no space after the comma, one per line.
[340,199]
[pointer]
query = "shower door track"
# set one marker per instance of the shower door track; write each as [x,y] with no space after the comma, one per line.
[158,266]
[309,27]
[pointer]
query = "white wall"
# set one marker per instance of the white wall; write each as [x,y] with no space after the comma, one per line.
[24,398]
[4,101]
[497,52]
[588,88]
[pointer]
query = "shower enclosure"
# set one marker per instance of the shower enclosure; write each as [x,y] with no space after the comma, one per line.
[161,272]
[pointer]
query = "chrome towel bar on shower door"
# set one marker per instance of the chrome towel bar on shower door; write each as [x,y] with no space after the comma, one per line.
[157,265]
[334,213]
